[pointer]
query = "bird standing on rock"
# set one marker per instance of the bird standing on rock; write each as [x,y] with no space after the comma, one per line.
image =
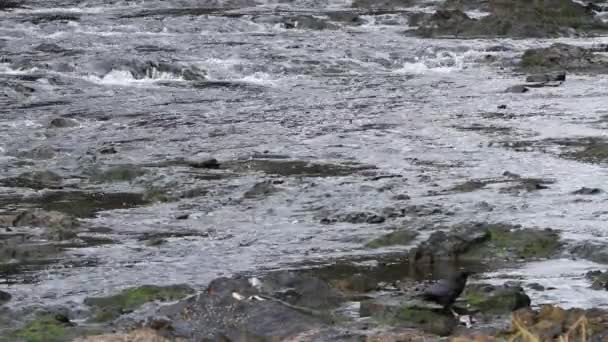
[445,291]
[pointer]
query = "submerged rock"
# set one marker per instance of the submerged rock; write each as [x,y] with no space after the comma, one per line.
[302,290]
[587,191]
[303,22]
[492,299]
[592,251]
[5,297]
[355,218]
[119,173]
[109,308]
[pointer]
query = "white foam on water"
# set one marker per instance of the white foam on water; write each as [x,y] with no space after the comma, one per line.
[125,78]
[564,281]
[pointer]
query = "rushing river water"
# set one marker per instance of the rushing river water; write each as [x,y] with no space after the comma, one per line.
[152,81]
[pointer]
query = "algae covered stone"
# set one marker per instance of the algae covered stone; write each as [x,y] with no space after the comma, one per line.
[496,299]
[109,308]
[414,313]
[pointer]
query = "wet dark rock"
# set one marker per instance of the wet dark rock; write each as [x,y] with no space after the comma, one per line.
[446,22]
[5,297]
[480,5]
[59,226]
[536,287]
[9,4]
[544,78]
[496,299]
[517,89]
[358,283]
[108,150]
[587,191]
[402,197]
[34,180]
[302,290]
[592,251]
[599,279]
[260,190]
[563,57]
[400,237]
[210,163]
[302,22]
[51,17]
[182,217]
[502,106]
[63,123]
[479,241]
[355,218]
[527,185]
[227,311]
[109,308]
[416,314]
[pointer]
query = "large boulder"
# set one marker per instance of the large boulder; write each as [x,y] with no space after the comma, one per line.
[56,225]
[563,57]
[233,309]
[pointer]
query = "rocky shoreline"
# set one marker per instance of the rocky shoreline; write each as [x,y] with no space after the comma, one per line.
[50,202]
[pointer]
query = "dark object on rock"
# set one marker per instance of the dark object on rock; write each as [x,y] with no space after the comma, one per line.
[518,89]
[108,150]
[445,291]
[544,78]
[587,191]
[5,297]
[211,163]
[182,217]
[502,106]
[7,4]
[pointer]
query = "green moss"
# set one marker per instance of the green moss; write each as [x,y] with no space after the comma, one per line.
[401,237]
[496,300]
[45,328]
[595,152]
[429,320]
[519,244]
[109,308]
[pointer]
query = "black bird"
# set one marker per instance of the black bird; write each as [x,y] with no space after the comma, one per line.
[445,291]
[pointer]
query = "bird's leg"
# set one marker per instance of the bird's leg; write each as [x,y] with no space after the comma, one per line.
[454,312]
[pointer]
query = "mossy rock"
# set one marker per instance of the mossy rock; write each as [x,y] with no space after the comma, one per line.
[400,237]
[495,299]
[411,314]
[594,152]
[44,328]
[110,308]
[519,243]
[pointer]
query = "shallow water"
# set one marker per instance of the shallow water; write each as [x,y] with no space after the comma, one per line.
[233,82]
